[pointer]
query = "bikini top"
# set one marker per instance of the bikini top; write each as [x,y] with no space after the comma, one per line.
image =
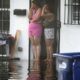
[48,24]
[35,15]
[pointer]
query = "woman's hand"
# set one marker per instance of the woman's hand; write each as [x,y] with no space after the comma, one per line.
[44,7]
[44,11]
[30,14]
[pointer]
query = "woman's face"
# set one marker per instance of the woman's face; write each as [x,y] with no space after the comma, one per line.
[33,6]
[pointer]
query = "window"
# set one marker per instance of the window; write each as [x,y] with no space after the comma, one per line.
[4,16]
[72,12]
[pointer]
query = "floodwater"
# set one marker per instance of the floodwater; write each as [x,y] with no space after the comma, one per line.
[13,70]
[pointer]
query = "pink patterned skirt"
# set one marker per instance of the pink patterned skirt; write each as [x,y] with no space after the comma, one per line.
[35,29]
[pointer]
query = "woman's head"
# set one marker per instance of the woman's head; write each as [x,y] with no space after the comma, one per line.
[46,8]
[35,3]
[49,7]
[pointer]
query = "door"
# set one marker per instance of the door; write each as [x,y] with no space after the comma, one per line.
[55,4]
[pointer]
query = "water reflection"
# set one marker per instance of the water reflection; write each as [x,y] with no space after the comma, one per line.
[13,70]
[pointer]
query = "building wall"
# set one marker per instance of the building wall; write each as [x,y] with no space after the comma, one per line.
[20,23]
[69,39]
[69,35]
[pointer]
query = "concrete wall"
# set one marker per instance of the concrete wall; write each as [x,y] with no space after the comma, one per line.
[69,39]
[20,23]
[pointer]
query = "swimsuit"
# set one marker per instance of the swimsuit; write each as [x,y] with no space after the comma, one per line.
[49,29]
[35,28]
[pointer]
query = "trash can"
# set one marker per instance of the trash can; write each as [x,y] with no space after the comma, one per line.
[68,66]
[76,70]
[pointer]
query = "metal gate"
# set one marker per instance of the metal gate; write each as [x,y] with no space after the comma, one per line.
[4,29]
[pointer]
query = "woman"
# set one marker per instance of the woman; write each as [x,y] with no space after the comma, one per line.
[35,29]
[49,27]
[48,23]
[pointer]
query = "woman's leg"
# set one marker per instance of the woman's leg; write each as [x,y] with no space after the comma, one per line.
[36,52]
[49,61]
[38,47]
[33,46]
[49,39]
[49,48]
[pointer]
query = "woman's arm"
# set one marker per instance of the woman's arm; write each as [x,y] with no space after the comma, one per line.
[43,11]
[43,14]
[30,14]
[37,16]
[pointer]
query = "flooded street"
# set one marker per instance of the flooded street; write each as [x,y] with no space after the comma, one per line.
[13,70]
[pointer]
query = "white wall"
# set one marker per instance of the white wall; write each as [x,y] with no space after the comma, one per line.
[69,39]
[20,23]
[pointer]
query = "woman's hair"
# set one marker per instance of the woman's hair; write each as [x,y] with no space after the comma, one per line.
[37,2]
[50,5]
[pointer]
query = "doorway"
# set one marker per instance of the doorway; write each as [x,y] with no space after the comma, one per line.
[56,8]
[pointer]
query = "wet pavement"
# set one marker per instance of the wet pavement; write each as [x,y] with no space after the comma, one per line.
[13,70]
